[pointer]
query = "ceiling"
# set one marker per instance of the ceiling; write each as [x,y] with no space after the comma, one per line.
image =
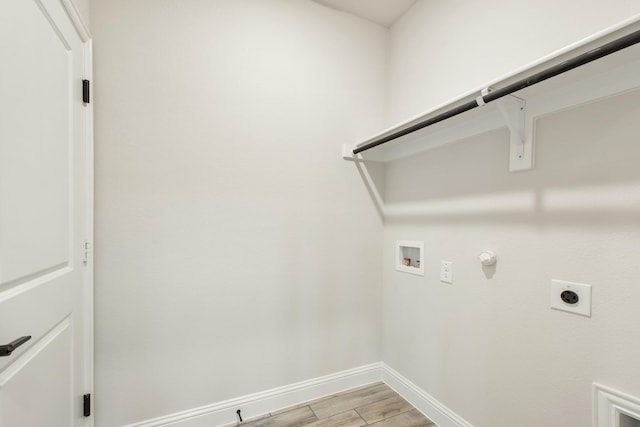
[383,12]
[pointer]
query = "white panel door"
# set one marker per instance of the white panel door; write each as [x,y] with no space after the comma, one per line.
[45,198]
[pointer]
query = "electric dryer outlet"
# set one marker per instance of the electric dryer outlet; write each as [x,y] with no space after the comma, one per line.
[571,297]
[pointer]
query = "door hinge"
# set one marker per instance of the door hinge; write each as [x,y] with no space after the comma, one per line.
[86,405]
[86,251]
[86,93]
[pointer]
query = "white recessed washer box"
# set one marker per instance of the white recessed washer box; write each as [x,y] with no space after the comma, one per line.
[410,257]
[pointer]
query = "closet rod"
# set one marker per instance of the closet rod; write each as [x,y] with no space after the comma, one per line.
[582,59]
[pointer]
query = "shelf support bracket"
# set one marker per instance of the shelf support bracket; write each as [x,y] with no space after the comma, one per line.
[514,114]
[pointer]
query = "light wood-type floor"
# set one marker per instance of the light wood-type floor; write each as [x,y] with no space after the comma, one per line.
[374,404]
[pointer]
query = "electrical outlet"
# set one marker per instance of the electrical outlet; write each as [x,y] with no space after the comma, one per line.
[571,297]
[446,271]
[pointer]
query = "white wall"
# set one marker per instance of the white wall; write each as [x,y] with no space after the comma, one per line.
[441,49]
[488,346]
[235,250]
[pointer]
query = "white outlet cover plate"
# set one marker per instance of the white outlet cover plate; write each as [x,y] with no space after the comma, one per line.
[446,271]
[582,307]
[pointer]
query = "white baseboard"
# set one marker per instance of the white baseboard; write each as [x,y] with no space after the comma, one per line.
[421,400]
[258,404]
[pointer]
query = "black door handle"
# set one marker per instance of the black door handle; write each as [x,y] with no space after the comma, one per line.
[7,349]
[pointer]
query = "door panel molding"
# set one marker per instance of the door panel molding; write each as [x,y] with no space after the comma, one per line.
[32,352]
[53,24]
[16,287]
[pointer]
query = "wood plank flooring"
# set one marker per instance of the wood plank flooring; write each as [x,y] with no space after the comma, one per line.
[375,405]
